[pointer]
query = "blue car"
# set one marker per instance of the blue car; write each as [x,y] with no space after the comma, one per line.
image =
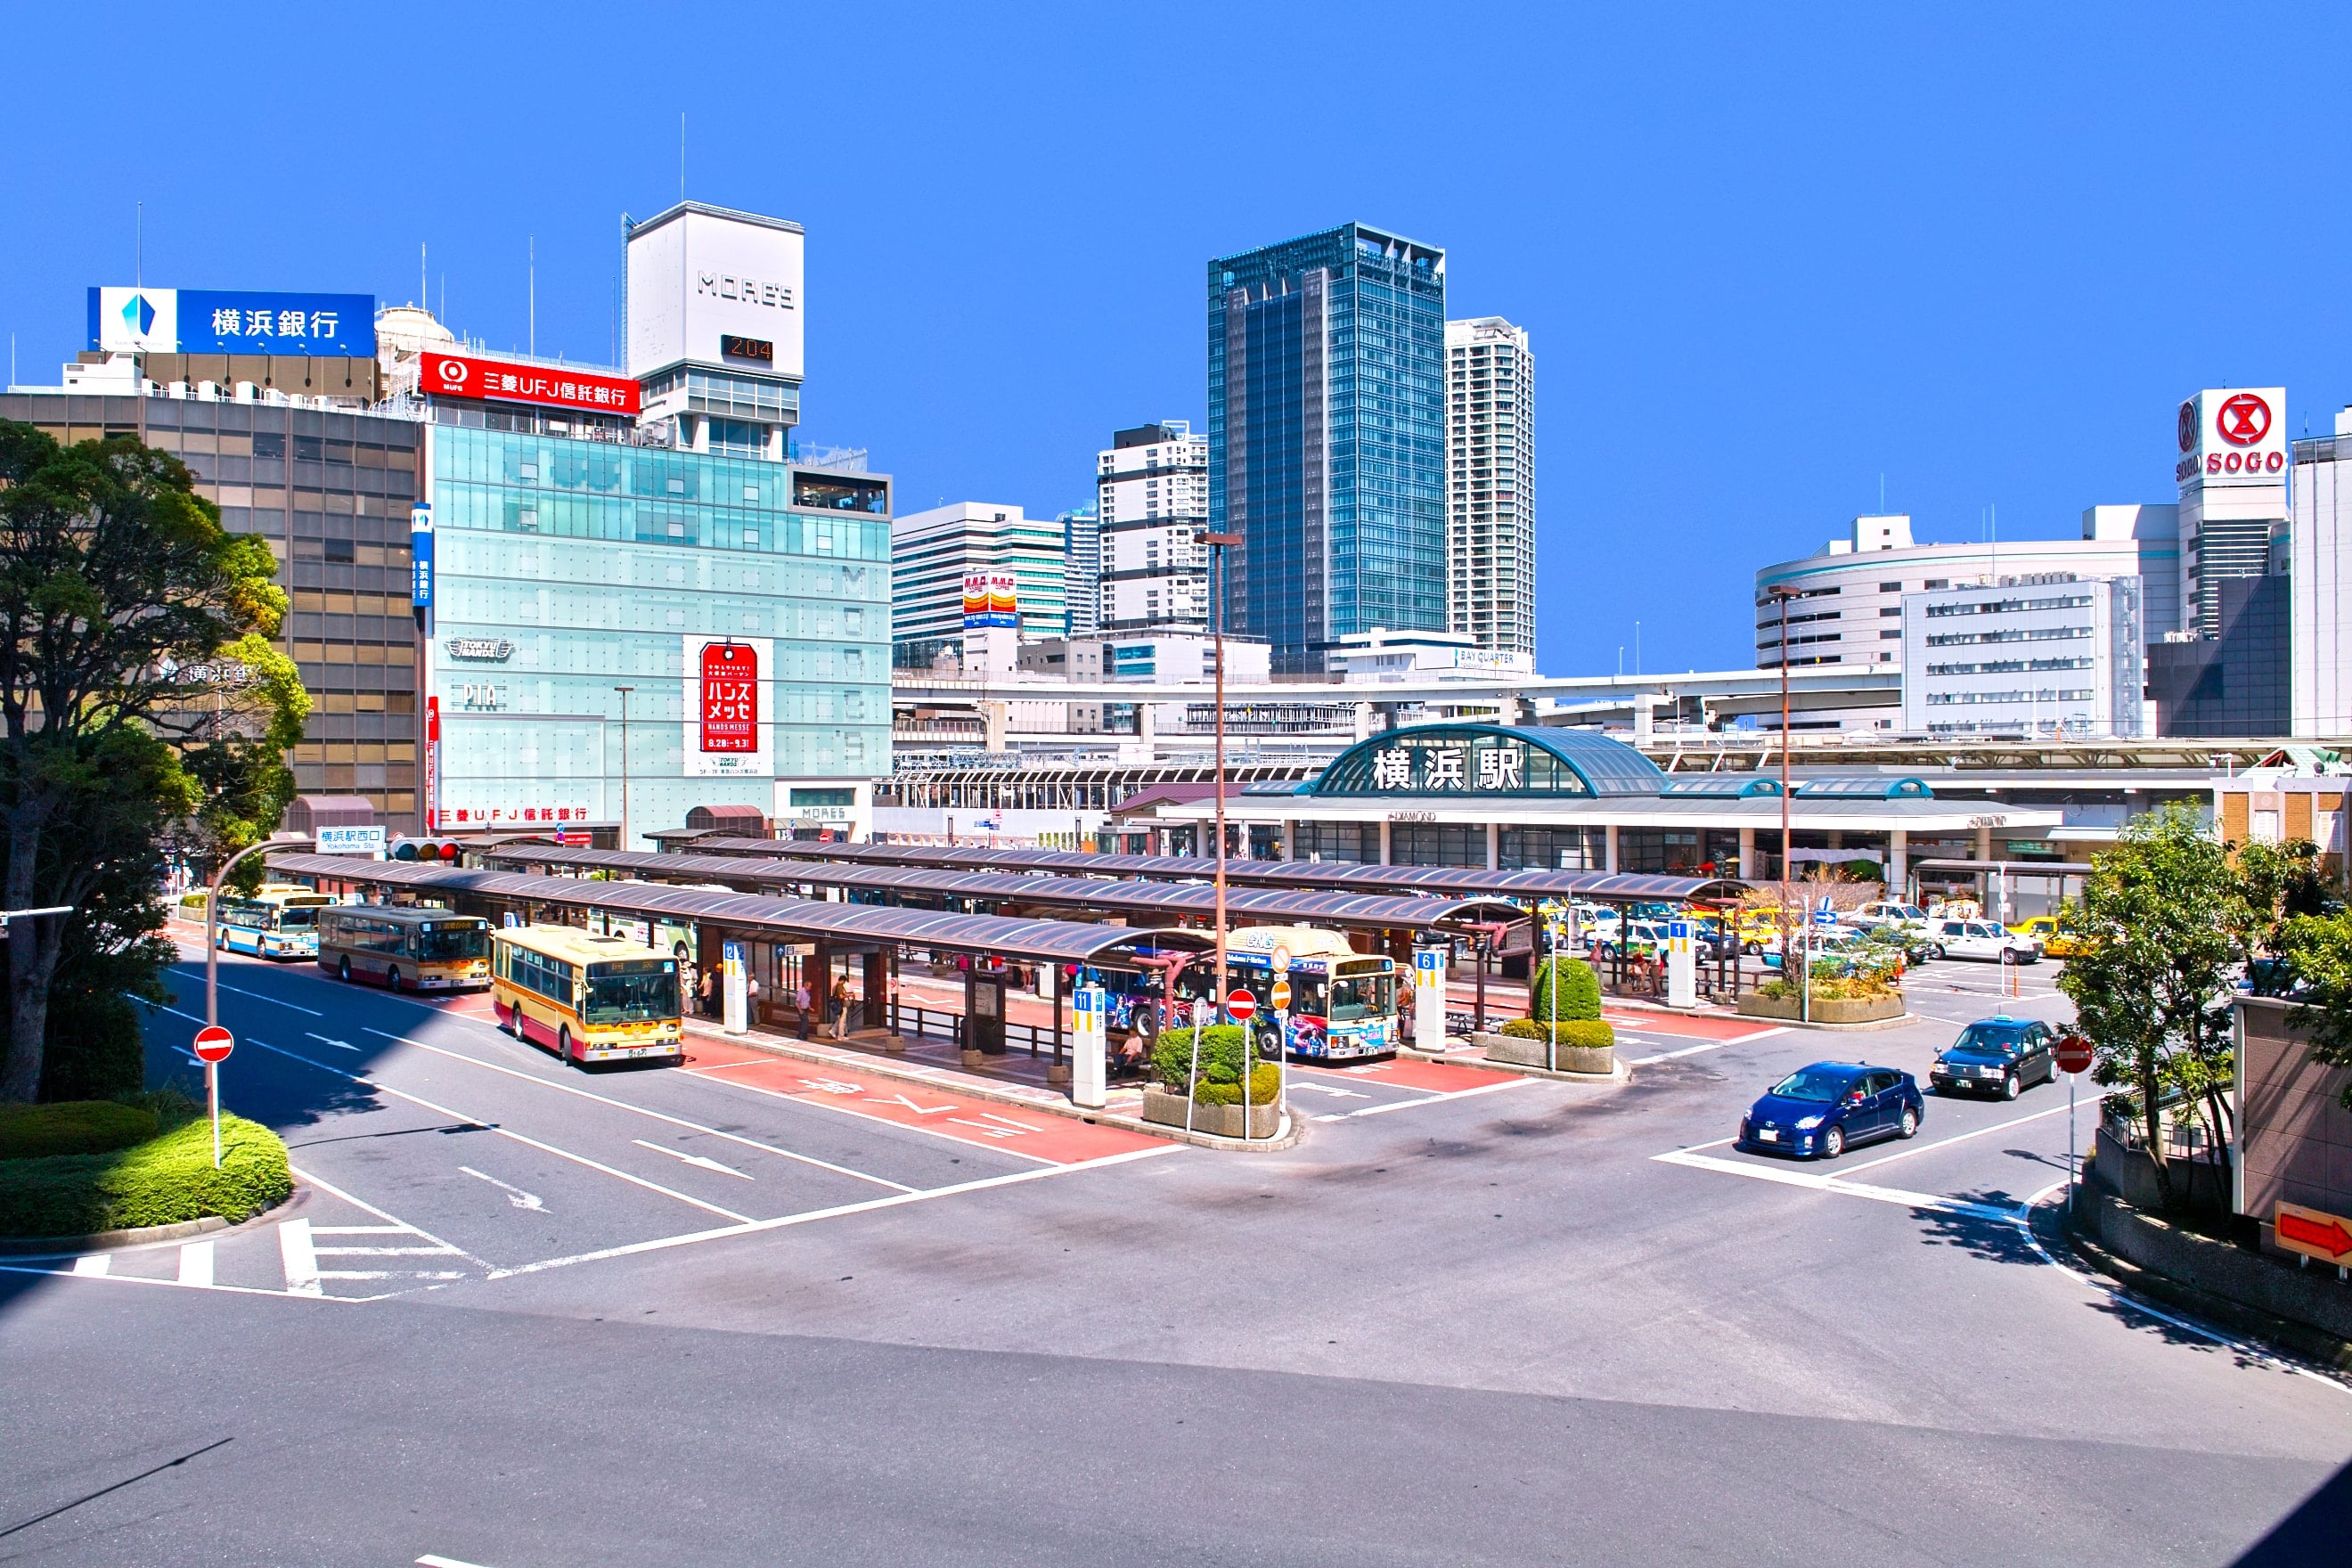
[1819,1111]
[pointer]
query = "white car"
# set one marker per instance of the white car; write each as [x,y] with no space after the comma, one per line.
[1980,940]
[1870,917]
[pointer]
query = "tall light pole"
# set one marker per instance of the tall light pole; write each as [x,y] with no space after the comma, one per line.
[1217,544]
[624,691]
[1780,593]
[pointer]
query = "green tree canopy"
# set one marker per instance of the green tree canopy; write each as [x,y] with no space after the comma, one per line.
[139,698]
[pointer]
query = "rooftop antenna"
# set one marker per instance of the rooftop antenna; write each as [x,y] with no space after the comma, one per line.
[1881,494]
[423,288]
[533,339]
[681,154]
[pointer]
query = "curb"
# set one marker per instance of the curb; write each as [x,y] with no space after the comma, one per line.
[61,1246]
[2283,1334]
[1896,1022]
[1621,1070]
[1290,1137]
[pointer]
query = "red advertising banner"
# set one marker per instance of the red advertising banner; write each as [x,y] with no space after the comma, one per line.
[433,764]
[731,698]
[462,375]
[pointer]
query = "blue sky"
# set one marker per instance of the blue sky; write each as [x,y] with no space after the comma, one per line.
[1768,254]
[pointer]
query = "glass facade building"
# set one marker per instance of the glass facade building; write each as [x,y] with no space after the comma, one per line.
[1326,438]
[566,568]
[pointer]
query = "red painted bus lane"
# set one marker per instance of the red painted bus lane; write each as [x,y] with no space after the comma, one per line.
[1437,1078]
[1036,1135]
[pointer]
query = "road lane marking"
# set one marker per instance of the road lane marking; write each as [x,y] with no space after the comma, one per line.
[515,1195]
[196,1264]
[868,1206]
[328,1040]
[433,1559]
[1820,1181]
[507,1132]
[301,1262]
[834,1104]
[94,1266]
[1434,1099]
[680,1155]
[265,997]
[1959,1138]
[655,1115]
[392,1226]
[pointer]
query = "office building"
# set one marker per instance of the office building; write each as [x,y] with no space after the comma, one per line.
[1848,597]
[715,309]
[1082,569]
[1327,438]
[2046,654]
[1153,500]
[2319,551]
[1490,475]
[933,552]
[2234,685]
[2233,494]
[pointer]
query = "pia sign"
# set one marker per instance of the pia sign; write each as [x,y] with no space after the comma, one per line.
[2232,435]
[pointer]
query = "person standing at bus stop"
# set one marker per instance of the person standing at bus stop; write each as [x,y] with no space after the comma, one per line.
[840,1006]
[800,1002]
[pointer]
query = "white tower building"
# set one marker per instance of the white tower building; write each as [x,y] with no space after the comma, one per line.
[1152,507]
[1490,467]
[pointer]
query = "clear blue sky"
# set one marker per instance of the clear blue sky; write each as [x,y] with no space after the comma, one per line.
[1767,253]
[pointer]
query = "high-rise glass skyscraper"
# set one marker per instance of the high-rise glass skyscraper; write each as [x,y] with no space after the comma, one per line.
[1326,438]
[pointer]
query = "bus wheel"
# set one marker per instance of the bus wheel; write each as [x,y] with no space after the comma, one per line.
[343,970]
[564,1041]
[392,978]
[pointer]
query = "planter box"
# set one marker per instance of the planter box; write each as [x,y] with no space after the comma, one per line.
[1825,1010]
[1601,1060]
[1218,1121]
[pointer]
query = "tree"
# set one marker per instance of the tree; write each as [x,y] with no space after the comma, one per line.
[138,692]
[2158,912]
[2318,948]
[2279,882]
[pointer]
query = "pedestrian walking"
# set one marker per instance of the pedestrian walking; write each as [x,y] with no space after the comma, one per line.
[840,1006]
[705,991]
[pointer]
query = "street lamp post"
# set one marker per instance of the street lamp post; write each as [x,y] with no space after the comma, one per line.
[212,916]
[624,691]
[1217,544]
[1780,593]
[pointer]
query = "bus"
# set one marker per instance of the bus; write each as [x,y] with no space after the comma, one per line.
[278,921]
[591,998]
[1343,1003]
[413,948]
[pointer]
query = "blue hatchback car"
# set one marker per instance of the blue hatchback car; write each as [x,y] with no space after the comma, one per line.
[1821,1111]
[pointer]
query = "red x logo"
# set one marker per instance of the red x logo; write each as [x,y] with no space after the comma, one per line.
[2243,419]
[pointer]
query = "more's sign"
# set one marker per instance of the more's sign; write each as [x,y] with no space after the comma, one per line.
[500,381]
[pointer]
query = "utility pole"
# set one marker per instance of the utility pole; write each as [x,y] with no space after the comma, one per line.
[1780,593]
[624,691]
[1217,544]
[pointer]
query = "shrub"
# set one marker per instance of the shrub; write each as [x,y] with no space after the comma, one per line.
[1222,1046]
[1578,990]
[1589,1034]
[72,1127]
[1264,1088]
[165,1181]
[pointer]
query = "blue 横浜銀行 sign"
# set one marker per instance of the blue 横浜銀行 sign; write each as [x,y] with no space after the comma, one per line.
[232,322]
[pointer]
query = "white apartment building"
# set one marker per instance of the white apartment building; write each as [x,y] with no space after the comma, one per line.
[2041,654]
[1490,472]
[2319,549]
[1152,506]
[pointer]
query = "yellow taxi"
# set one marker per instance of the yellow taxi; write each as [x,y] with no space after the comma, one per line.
[2057,941]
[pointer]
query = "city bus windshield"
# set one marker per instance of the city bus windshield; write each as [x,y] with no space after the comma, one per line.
[631,993]
[298,917]
[1361,996]
[452,942]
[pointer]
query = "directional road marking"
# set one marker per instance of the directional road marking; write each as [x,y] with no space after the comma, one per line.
[515,1195]
[326,1040]
[679,1155]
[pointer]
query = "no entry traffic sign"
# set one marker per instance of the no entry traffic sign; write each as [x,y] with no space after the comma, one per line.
[1281,996]
[1241,1004]
[2072,1054]
[214,1044]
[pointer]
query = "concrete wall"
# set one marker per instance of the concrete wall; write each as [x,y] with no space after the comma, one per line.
[2295,1137]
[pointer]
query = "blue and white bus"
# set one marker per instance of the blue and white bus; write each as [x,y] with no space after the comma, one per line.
[1343,1003]
[281,920]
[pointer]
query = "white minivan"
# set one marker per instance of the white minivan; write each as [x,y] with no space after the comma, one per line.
[1980,940]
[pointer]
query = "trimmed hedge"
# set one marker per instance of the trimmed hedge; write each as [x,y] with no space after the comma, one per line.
[1578,988]
[1590,1033]
[1264,1088]
[72,1127]
[165,1181]
[1223,1049]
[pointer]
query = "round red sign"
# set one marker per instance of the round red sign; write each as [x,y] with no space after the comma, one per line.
[2072,1054]
[2243,419]
[1241,1004]
[213,1044]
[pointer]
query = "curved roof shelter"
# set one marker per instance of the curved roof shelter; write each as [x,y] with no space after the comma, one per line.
[755,914]
[1489,761]
[1459,881]
[1264,905]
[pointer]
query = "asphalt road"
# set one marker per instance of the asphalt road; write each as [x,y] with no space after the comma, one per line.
[524,1316]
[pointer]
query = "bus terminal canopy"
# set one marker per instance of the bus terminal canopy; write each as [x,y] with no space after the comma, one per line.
[1461,882]
[1267,905]
[768,919]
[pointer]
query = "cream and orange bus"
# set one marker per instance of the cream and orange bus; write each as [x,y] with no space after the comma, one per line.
[590,998]
[405,948]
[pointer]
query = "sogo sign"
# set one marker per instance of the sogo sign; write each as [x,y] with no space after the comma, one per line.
[2233,437]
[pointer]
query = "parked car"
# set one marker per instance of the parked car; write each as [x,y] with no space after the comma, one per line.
[2000,1055]
[1821,1110]
[1979,939]
[1880,915]
[2056,938]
